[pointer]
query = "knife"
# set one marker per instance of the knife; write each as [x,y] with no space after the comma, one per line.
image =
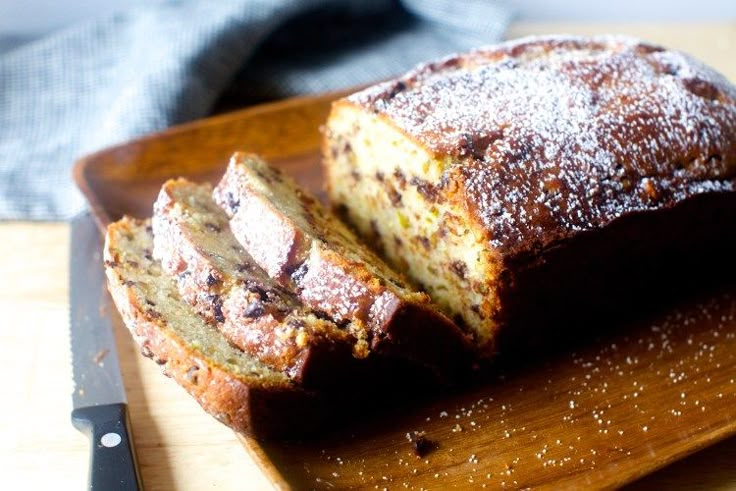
[99,402]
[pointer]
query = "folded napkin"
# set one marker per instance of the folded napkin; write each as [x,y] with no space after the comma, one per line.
[150,67]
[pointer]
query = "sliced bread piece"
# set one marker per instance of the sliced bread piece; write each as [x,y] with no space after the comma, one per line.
[306,248]
[234,387]
[193,241]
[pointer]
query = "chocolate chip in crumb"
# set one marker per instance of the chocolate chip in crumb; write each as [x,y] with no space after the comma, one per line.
[427,190]
[254,309]
[400,178]
[233,203]
[211,280]
[379,176]
[424,241]
[217,308]
[459,268]
[394,196]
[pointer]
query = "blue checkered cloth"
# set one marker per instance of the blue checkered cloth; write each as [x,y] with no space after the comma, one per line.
[147,68]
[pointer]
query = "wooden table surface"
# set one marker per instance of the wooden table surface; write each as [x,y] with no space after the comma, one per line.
[179,446]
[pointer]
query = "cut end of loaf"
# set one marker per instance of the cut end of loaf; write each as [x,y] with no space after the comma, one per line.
[389,188]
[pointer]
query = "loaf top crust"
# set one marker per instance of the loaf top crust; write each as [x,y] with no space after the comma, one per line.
[542,138]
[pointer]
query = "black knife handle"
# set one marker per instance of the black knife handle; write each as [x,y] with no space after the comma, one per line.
[112,459]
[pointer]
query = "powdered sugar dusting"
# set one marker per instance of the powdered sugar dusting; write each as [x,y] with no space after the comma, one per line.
[555,135]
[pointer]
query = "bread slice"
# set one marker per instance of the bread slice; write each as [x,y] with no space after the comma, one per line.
[193,241]
[306,248]
[234,387]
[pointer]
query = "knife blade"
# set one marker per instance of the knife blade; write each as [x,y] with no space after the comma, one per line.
[100,407]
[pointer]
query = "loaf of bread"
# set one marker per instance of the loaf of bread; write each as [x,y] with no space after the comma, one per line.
[307,249]
[236,388]
[193,241]
[540,175]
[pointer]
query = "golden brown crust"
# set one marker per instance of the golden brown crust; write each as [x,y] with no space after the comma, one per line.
[548,137]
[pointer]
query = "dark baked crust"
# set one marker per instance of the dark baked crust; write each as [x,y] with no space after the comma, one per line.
[261,403]
[305,247]
[556,135]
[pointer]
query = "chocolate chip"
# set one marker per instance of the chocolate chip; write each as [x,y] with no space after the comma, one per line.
[424,241]
[217,308]
[298,275]
[254,309]
[394,196]
[233,203]
[427,190]
[400,178]
[211,280]
[459,268]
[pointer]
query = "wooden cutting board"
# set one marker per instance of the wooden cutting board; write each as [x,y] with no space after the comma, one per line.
[601,414]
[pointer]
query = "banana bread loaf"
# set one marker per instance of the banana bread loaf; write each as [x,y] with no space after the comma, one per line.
[307,249]
[540,176]
[234,387]
[193,241]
